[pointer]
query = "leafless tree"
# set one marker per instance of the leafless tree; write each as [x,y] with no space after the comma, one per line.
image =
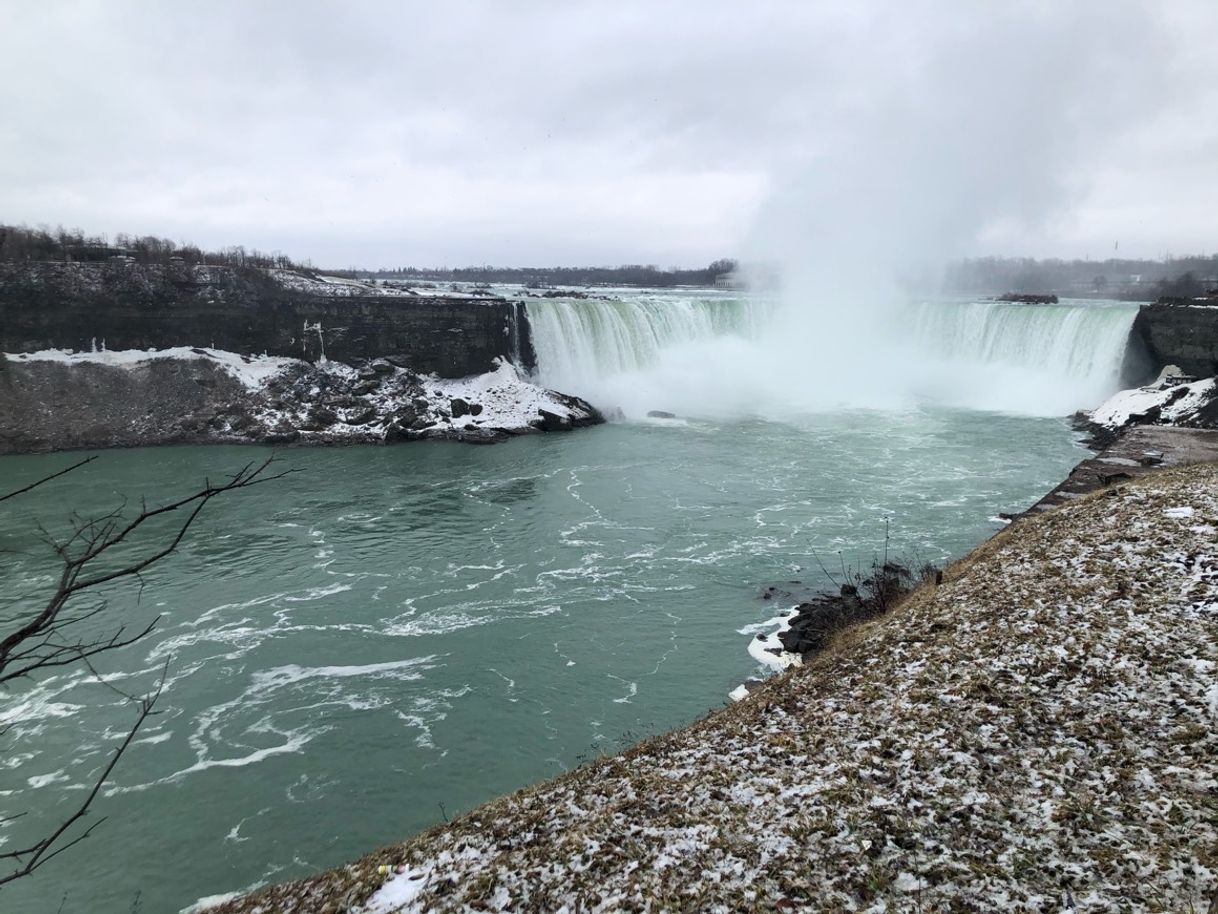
[49,635]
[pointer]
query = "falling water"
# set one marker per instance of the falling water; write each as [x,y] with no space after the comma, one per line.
[724,355]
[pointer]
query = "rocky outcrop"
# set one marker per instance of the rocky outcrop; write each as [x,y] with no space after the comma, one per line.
[1137,451]
[79,306]
[56,402]
[1173,334]
[1173,399]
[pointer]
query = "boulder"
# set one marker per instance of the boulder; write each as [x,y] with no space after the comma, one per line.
[551,422]
[459,407]
[363,417]
[319,417]
[395,432]
[281,434]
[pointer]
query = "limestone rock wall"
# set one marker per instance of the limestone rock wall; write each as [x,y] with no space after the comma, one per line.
[125,306]
[1183,335]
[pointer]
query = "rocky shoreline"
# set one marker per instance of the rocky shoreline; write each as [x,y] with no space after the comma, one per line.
[1173,421]
[53,400]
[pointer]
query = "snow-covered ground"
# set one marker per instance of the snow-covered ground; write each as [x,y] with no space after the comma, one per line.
[1036,734]
[341,287]
[253,371]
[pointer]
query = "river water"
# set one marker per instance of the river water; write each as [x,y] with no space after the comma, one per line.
[390,636]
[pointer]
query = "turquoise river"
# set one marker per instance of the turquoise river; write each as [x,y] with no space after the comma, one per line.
[389,636]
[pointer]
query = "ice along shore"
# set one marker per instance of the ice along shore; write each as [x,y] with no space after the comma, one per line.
[1036,733]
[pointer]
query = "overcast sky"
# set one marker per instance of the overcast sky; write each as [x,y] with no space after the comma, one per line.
[528,132]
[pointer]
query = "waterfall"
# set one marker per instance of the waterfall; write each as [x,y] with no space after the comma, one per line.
[1013,357]
[580,342]
[1082,341]
[719,354]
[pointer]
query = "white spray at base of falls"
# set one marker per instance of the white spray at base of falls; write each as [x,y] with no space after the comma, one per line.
[723,355]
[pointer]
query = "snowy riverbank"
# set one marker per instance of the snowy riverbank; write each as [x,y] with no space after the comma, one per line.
[56,400]
[1035,733]
[1172,399]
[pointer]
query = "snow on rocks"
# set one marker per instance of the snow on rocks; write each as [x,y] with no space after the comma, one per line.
[385,402]
[344,287]
[1169,400]
[767,648]
[194,394]
[1035,734]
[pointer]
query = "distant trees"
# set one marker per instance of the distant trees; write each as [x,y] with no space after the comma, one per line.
[1121,278]
[20,243]
[633,274]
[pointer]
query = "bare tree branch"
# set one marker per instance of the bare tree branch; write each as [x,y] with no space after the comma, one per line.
[30,858]
[98,538]
[46,479]
[38,641]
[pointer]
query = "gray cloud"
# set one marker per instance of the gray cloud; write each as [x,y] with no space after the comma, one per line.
[546,132]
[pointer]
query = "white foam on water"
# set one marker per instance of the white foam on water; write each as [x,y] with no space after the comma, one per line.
[38,708]
[632,690]
[278,677]
[44,780]
[438,623]
[319,593]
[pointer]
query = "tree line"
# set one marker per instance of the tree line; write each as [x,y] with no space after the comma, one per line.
[20,243]
[648,275]
[1116,277]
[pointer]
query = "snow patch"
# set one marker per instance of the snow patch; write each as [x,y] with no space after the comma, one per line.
[1176,403]
[252,371]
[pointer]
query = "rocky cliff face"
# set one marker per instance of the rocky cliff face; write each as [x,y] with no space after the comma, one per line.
[79,306]
[52,401]
[1185,335]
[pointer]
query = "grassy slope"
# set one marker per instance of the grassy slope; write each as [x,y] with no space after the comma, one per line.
[1037,734]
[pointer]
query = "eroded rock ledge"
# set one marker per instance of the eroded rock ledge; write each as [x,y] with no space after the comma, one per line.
[54,401]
